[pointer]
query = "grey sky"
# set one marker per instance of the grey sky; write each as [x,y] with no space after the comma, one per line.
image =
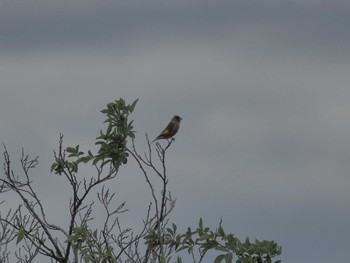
[262,86]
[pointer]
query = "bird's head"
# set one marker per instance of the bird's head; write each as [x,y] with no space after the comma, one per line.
[177,118]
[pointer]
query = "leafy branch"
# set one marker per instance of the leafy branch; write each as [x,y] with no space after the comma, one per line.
[28,228]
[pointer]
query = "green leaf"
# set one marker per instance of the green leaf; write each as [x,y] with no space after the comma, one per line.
[20,235]
[221,231]
[132,106]
[170,231]
[219,258]
[228,258]
[71,149]
[222,249]
[53,167]
[109,129]
[200,223]
[181,248]
[85,159]
[36,233]
[162,259]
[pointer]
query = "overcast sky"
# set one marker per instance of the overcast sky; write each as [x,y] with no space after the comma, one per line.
[263,88]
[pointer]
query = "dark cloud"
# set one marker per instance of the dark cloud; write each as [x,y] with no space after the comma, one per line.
[272,27]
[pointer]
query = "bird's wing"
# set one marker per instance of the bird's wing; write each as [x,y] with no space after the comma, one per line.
[168,128]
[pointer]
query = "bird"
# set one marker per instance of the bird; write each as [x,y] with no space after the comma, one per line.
[171,129]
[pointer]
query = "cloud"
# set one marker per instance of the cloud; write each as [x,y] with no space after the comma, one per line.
[264,27]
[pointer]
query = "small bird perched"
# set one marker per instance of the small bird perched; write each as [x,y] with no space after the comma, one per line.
[171,129]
